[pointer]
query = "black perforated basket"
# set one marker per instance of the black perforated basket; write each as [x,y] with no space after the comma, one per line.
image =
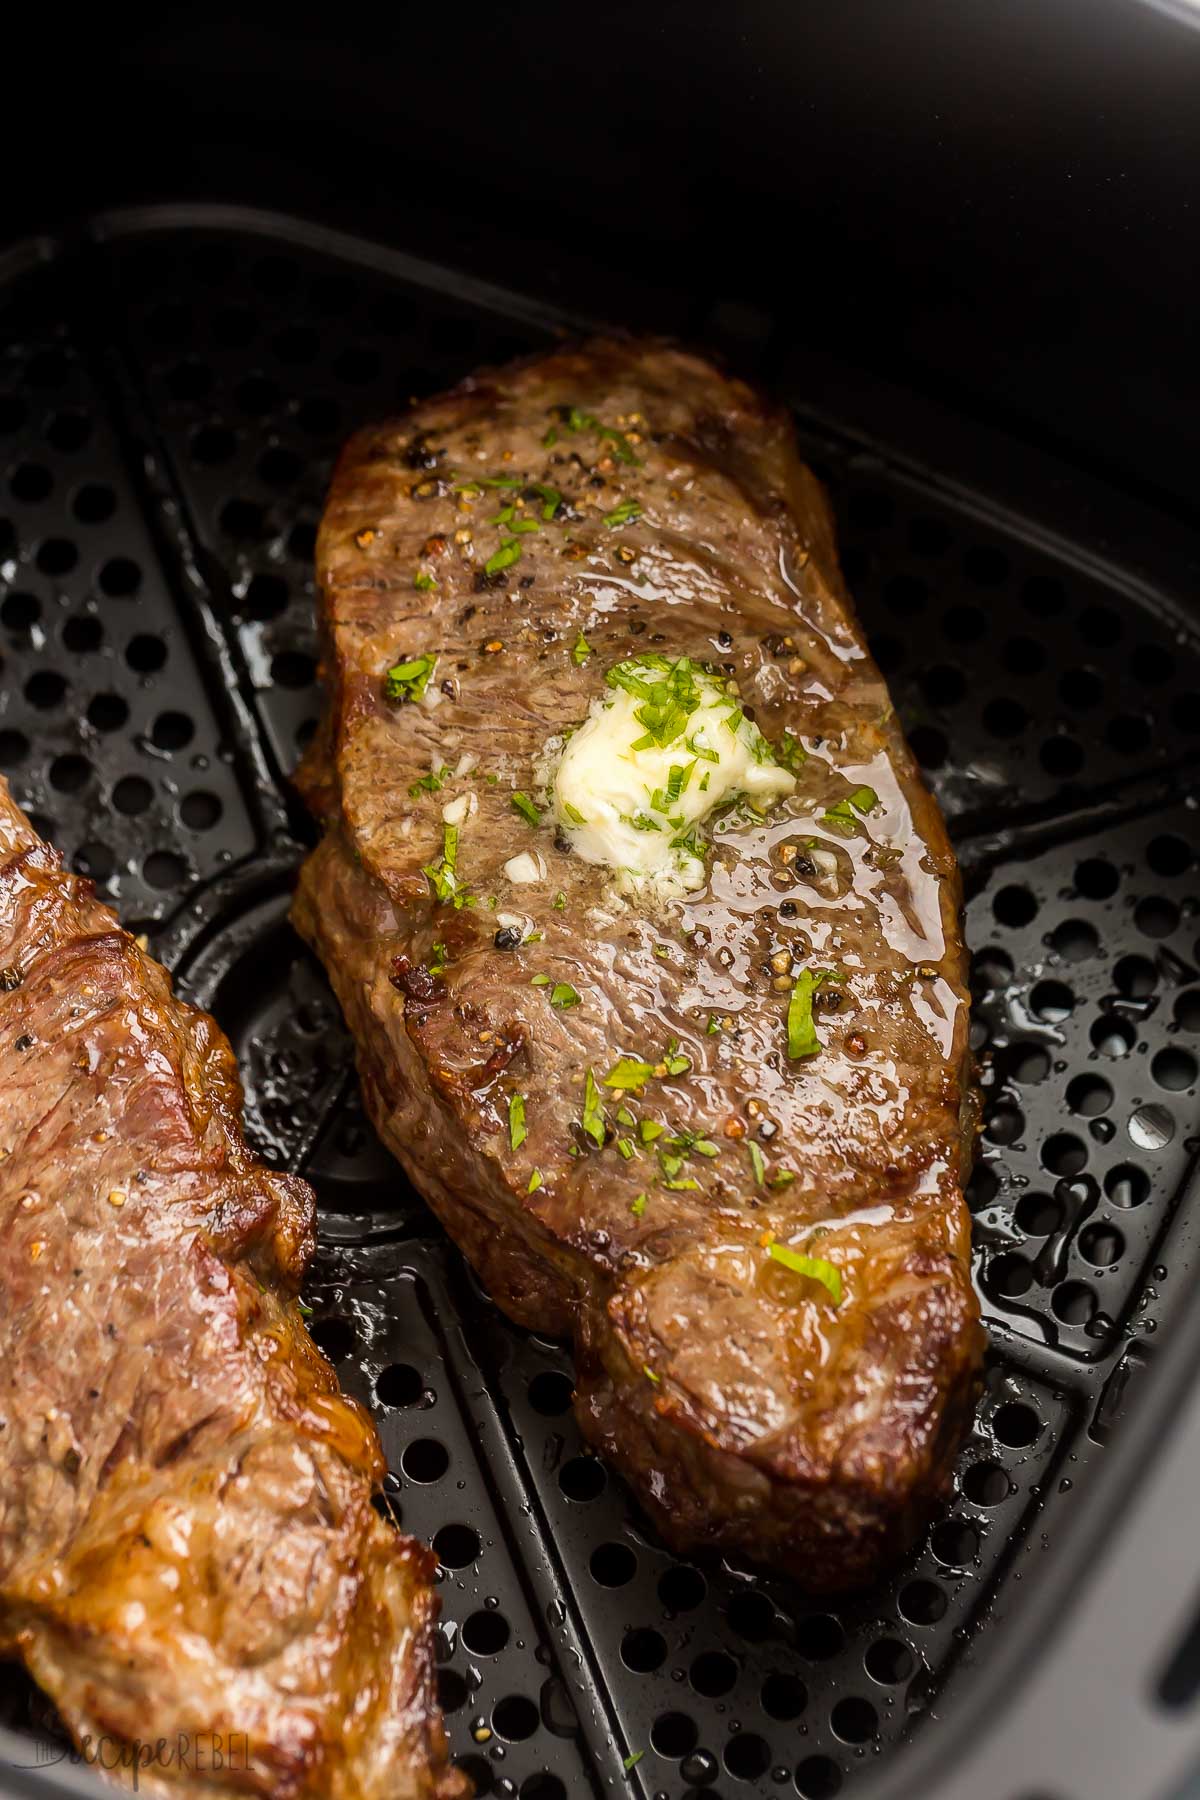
[173,387]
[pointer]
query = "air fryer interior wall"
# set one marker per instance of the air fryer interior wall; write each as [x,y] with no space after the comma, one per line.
[174,385]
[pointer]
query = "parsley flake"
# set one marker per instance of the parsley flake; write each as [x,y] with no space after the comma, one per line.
[508,553]
[593,1113]
[516,1121]
[564,995]
[524,805]
[816,1267]
[628,1073]
[408,680]
[625,514]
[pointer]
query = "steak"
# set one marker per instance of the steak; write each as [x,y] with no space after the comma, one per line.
[718,1139]
[188,1546]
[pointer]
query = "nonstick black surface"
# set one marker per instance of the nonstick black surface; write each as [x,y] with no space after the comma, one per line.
[172,393]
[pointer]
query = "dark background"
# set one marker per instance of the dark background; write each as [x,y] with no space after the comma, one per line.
[995,204]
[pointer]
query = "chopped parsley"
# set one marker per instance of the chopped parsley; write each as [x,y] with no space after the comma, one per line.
[626,1147]
[757,1164]
[431,783]
[675,1063]
[633,1759]
[424,581]
[573,813]
[581,651]
[516,1120]
[648,1372]
[535,1182]
[564,995]
[842,814]
[539,981]
[593,1113]
[525,806]
[628,1073]
[577,420]
[816,1267]
[625,514]
[638,1206]
[649,1129]
[408,680]
[668,692]
[508,553]
[443,876]
[441,957]
[560,901]
[790,752]
[713,1026]
[801,1032]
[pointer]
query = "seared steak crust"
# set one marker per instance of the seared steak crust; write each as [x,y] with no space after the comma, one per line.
[187,1540]
[751,1407]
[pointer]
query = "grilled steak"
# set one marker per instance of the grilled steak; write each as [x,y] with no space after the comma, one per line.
[731,1169]
[188,1549]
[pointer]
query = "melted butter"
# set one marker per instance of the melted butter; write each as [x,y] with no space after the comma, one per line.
[632,793]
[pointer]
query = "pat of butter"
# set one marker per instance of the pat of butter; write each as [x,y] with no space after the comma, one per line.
[660,750]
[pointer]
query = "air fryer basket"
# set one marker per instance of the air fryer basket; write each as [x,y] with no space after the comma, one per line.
[174,386]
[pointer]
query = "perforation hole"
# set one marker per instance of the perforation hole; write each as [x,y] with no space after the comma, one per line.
[1061,757]
[783,1697]
[612,1565]
[1128,734]
[1075,940]
[243,521]
[14,748]
[120,577]
[751,1615]
[292,669]
[643,1650]
[1039,1214]
[334,1336]
[70,773]
[1005,718]
[1081,689]
[486,1633]
[1073,1302]
[425,1461]
[30,484]
[1064,1154]
[1009,1275]
[854,1720]
[1029,1064]
[172,731]
[20,611]
[399,1385]
[132,795]
[452,1690]
[1096,879]
[457,1546]
[818,1778]
[1187,1010]
[583,1479]
[94,503]
[1169,856]
[955,1543]
[986,1483]
[1112,1035]
[82,635]
[1101,1245]
[747,1756]
[1015,906]
[46,689]
[888,1661]
[681,1589]
[1016,1425]
[266,597]
[713,1674]
[1135,977]
[1174,1069]
[1089,1096]
[1024,656]
[515,1718]
[1156,916]
[674,1734]
[922,1602]
[542,1786]
[1151,1127]
[96,860]
[212,445]
[1051,1001]
[164,869]
[550,1393]
[1006,1123]
[819,1637]
[68,432]
[200,811]
[107,712]
[1127,1185]
[146,653]
[929,745]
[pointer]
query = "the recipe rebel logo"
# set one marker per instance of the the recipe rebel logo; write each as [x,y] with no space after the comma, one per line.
[185,1752]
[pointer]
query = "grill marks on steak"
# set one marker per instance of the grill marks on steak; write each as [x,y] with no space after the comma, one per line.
[746,1408]
[187,1540]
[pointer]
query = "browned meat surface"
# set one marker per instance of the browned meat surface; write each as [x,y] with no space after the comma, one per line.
[187,1540]
[808,1421]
